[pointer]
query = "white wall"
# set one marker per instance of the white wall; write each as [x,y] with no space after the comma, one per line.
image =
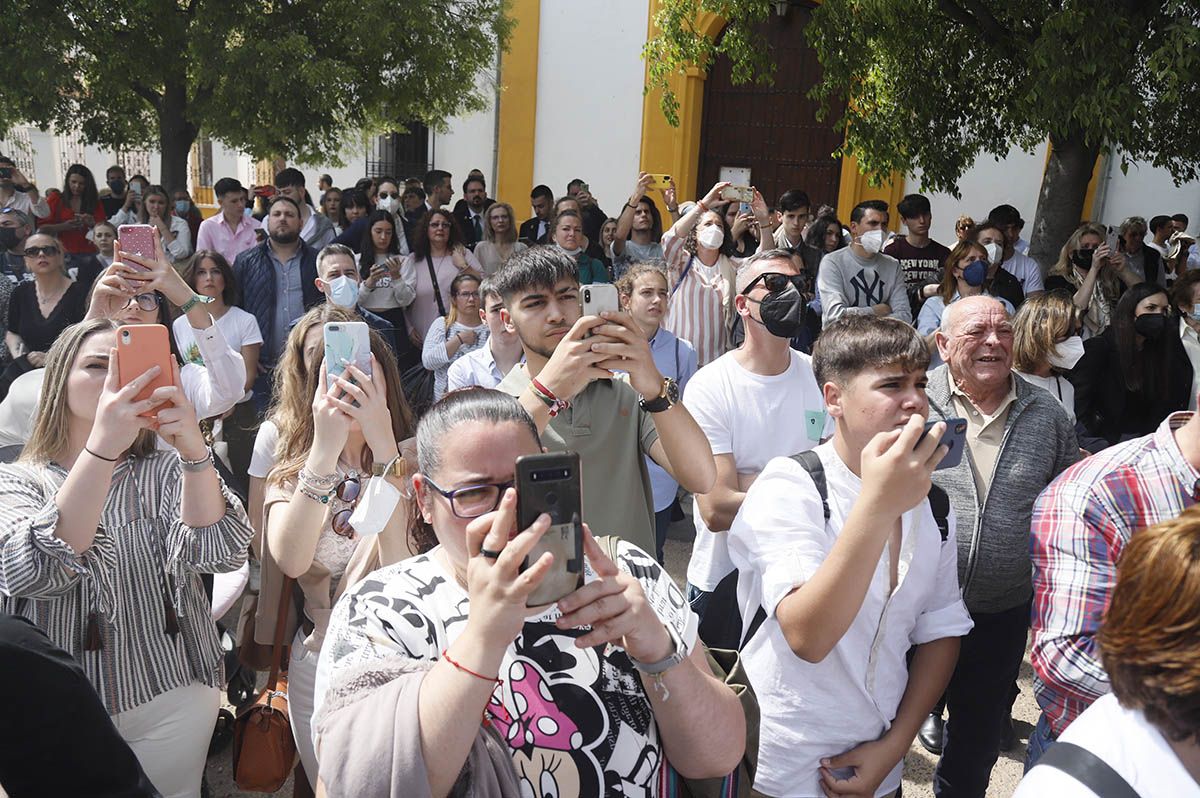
[469,141]
[1014,180]
[589,98]
[1145,191]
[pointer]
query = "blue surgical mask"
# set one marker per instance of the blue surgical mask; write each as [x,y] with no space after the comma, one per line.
[248,212]
[182,207]
[975,273]
[343,292]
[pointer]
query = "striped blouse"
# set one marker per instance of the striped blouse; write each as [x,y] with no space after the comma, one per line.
[701,303]
[140,548]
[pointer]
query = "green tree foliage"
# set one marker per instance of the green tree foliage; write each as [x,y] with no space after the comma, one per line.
[270,77]
[934,84]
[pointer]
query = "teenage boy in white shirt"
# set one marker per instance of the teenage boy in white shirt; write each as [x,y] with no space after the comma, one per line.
[849,585]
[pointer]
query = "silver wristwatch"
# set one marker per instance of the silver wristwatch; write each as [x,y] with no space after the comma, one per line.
[655,670]
[195,466]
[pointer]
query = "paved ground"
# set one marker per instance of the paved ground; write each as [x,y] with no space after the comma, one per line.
[918,765]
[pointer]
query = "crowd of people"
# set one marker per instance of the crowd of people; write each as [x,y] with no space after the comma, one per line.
[901,459]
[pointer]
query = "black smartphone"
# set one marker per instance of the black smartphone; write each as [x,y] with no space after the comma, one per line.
[955,437]
[550,483]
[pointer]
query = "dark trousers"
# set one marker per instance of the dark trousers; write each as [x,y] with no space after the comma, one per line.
[57,738]
[979,696]
[720,618]
[662,520]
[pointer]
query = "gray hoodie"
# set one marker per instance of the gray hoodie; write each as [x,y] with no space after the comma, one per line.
[994,570]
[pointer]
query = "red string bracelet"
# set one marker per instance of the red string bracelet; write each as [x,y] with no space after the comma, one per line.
[464,669]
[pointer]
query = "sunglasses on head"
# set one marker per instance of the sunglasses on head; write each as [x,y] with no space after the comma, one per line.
[348,491]
[775,281]
[33,252]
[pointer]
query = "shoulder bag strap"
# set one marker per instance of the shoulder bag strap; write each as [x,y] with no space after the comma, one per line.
[687,268]
[437,291]
[281,617]
[1088,769]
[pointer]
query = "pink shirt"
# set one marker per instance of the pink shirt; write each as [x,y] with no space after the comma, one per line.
[215,234]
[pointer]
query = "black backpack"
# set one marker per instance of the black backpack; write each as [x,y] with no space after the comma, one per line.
[939,503]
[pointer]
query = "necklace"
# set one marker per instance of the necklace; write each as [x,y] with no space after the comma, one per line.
[52,300]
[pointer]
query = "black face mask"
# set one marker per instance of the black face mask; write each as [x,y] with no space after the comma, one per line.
[1150,326]
[1082,258]
[8,238]
[782,312]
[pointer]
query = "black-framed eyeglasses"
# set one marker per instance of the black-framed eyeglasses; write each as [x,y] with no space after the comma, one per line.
[49,249]
[775,281]
[149,301]
[348,490]
[472,501]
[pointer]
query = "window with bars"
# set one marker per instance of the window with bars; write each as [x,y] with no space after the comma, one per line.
[400,155]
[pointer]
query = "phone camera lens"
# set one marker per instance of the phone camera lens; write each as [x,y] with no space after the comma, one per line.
[551,499]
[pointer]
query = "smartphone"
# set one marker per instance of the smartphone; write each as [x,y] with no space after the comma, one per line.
[550,483]
[660,181]
[137,239]
[135,189]
[955,438]
[599,297]
[744,207]
[140,346]
[738,193]
[1114,241]
[347,342]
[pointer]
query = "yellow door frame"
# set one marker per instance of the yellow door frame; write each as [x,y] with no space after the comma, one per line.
[518,108]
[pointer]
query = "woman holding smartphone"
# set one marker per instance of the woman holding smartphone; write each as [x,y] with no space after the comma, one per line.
[173,230]
[382,289]
[567,701]
[74,212]
[339,448]
[112,575]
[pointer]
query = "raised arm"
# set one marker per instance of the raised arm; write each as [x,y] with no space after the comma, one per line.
[625,220]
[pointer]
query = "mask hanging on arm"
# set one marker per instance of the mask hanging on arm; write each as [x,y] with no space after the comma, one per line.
[872,241]
[711,237]
[782,312]
[995,253]
[975,273]
[343,292]
[1067,353]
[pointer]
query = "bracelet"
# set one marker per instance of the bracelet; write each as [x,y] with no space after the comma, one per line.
[318,482]
[464,669]
[632,207]
[553,403]
[195,466]
[100,456]
[316,496]
[700,204]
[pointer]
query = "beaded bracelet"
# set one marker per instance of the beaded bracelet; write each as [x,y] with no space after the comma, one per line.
[329,480]
[316,496]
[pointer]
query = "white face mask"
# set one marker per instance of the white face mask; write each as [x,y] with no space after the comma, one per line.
[995,252]
[710,237]
[1195,314]
[388,204]
[1067,354]
[343,292]
[574,253]
[872,241]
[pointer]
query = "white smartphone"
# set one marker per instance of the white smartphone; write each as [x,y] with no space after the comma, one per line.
[347,342]
[599,297]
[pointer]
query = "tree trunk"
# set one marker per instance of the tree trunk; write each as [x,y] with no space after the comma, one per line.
[176,136]
[1060,202]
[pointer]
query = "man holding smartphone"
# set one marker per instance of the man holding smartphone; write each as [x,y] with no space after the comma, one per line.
[850,577]
[1018,440]
[568,387]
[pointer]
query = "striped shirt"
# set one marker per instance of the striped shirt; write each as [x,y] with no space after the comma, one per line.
[1081,523]
[141,543]
[701,304]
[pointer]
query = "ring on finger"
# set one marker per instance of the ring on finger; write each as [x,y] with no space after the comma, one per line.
[491,555]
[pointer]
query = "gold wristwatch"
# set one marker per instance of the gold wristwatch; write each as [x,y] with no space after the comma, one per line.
[397,467]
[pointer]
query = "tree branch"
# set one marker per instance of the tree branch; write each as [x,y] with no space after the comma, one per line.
[147,94]
[977,15]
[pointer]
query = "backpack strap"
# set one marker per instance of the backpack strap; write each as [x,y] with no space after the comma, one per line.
[1088,769]
[810,461]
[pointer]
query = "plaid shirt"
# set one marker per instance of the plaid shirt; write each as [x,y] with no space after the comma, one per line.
[1081,523]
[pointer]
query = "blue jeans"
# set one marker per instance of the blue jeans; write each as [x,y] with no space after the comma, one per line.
[1039,742]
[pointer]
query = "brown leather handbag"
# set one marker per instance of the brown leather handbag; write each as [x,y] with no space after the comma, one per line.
[264,751]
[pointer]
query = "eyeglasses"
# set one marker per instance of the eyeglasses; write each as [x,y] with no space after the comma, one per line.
[439,225]
[473,501]
[33,252]
[775,281]
[468,294]
[149,301]
[348,491]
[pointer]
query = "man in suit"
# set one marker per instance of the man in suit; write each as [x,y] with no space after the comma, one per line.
[474,174]
[537,230]
[470,216]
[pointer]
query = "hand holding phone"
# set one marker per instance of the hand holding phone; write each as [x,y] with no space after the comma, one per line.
[137,239]
[140,347]
[550,483]
[347,342]
[954,438]
[743,194]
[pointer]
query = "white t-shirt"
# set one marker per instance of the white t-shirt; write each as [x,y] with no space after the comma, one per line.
[754,418]
[1059,387]
[239,328]
[809,711]
[262,460]
[1127,743]
[1027,272]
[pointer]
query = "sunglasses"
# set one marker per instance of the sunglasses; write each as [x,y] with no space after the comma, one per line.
[348,491]
[387,195]
[33,252]
[775,281]
[149,301]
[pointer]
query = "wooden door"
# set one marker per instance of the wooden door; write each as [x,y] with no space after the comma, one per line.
[773,129]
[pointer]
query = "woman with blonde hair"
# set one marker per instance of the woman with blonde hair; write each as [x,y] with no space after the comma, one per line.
[499,238]
[457,333]
[1092,275]
[1047,345]
[112,575]
[965,273]
[336,502]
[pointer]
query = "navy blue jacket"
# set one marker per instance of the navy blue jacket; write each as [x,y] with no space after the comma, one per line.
[255,274]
